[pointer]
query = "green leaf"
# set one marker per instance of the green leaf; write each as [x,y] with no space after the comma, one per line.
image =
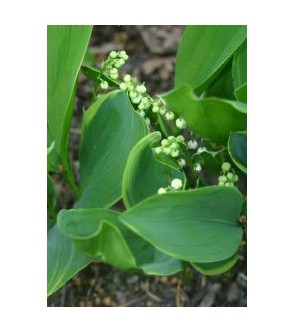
[239,72]
[237,148]
[203,52]
[66,46]
[100,234]
[210,269]
[142,161]
[199,225]
[64,260]
[51,195]
[211,118]
[110,130]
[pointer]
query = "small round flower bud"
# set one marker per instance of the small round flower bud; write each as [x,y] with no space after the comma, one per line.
[192,144]
[176,183]
[155,109]
[132,94]
[144,100]
[180,139]
[141,106]
[164,142]
[180,123]
[148,121]
[114,76]
[227,184]
[197,168]
[230,176]
[141,89]
[226,166]
[123,86]
[201,149]
[141,113]
[104,85]
[123,54]
[127,78]
[158,150]
[113,55]
[174,145]
[236,178]
[174,153]
[222,178]
[169,116]
[167,150]
[136,100]
[113,71]
[181,162]
[162,191]
[162,111]
[171,139]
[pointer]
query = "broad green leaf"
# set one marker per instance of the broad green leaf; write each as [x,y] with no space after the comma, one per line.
[144,174]
[199,225]
[110,130]
[64,260]
[239,72]
[96,75]
[100,234]
[203,52]
[237,148]
[211,118]
[66,46]
[210,269]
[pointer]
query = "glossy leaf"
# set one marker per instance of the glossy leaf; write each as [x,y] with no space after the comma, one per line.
[110,130]
[66,46]
[51,195]
[210,269]
[199,225]
[144,174]
[239,72]
[237,148]
[211,118]
[203,52]
[64,260]
[100,234]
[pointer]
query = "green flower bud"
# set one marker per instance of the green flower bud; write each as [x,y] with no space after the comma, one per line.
[155,109]
[164,142]
[167,150]
[132,94]
[227,184]
[174,145]
[222,178]
[141,89]
[123,55]
[158,150]
[230,176]
[104,85]
[226,166]
[127,78]
[148,121]
[236,178]
[123,86]
[141,106]
[136,100]
[141,113]
[180,139]
[174,153]
[113,55]
[114,76]
[162,111]
[162,191]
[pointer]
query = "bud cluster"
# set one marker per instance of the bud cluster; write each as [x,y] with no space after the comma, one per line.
[176,185]
[228,177]
[170,146]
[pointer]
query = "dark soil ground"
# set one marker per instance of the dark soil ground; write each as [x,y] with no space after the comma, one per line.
[152,52]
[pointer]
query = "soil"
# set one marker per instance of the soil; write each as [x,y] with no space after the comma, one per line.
[152,51]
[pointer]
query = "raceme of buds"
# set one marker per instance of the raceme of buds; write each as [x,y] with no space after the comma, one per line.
[180,123]
[228,177]
[170,146]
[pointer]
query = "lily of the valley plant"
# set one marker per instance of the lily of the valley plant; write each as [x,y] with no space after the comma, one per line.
[177,161]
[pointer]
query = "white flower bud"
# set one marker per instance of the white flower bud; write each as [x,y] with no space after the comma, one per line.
[180,123]
[226,166]
[123,55]
[236,178]
[162,191]
[162,111]
[123,86]
[132,94]
[104,85]
[148,121]
[201,149]
[230,176]
[174,153]
[141,106]
[145,100]
[114,76]
[222,178]
[171,139]
[169,116]
[181,162]
[113,71]
[192,144]
[176,183]
[127,78]
[158,150]
[113,55]
[197,168]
